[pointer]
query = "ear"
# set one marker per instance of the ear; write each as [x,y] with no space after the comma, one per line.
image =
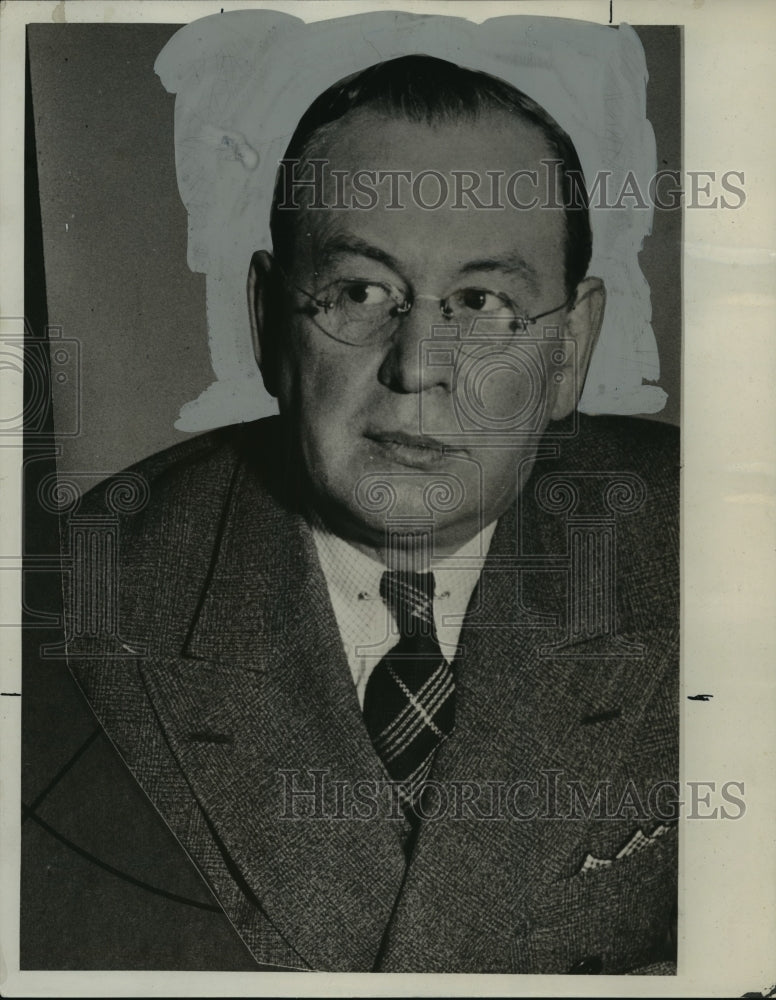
[583,323]
[263,311]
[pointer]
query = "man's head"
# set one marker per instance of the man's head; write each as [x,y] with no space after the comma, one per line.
[434,92]
[390,326]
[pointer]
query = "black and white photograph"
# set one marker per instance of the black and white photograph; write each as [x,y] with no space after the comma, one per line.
[394,549]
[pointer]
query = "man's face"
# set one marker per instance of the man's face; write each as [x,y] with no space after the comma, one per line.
[435,417]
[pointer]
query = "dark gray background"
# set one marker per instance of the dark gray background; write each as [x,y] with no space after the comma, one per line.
[114,235]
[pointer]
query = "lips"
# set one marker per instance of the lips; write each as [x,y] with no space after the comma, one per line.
[412,449]
[422,441]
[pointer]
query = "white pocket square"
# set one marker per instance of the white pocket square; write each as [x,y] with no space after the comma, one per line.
[638,842]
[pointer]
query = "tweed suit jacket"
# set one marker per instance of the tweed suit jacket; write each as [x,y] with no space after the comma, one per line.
[233,709]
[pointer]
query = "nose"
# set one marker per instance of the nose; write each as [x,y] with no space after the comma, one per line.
[408,365]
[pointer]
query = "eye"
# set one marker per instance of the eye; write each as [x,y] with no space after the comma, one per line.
[482,300]
[359,293]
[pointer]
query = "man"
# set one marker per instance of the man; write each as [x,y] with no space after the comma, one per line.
[385,674]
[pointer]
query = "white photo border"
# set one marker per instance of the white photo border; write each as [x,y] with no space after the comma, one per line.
[727,909]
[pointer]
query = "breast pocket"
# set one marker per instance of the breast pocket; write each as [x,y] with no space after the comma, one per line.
[609,919]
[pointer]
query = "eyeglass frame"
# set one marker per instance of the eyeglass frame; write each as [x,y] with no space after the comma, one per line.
[406,306]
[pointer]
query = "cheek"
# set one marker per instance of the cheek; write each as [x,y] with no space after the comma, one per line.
[502,391]
[321,383]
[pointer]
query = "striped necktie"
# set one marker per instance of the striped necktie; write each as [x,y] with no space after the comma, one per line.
[409,705]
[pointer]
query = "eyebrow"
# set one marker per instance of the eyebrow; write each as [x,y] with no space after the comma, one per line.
[509,263]
[343,246]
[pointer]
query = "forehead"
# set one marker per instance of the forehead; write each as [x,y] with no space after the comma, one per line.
[493,138]
[408,164]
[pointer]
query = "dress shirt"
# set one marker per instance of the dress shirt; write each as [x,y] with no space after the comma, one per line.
[367,627]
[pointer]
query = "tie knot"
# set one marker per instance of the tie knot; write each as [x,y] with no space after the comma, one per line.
[410,597]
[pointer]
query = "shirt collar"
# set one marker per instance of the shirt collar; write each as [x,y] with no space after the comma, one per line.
[353,575]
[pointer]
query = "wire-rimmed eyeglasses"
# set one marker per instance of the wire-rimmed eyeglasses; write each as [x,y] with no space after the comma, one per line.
[359,312]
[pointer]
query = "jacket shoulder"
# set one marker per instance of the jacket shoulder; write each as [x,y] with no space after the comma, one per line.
[631,453]
[165,517]
[634,442]
[621,477]
[207,459]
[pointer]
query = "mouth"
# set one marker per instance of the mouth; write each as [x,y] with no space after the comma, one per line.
[417,450]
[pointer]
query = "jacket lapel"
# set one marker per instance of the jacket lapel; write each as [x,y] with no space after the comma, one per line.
[520,716]
[262,716]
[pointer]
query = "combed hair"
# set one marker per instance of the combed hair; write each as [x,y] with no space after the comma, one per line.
[428,90]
